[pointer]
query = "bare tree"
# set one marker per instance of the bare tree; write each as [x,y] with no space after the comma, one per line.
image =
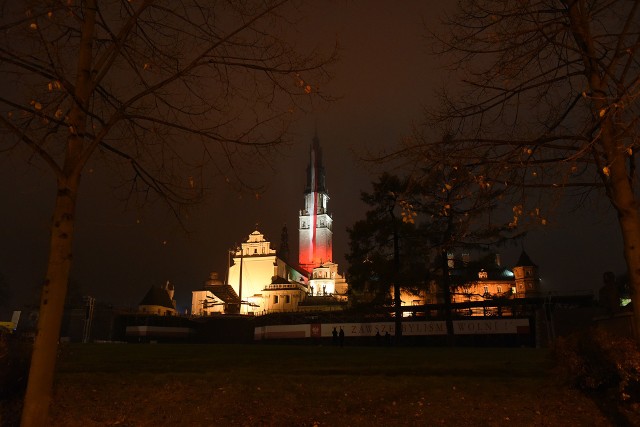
[176,92]
[547,100]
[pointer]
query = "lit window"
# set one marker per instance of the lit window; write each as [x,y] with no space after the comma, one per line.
[513,289]
[486,289]
[482,274]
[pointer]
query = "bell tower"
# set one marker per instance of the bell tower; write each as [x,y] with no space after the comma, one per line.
[315,222]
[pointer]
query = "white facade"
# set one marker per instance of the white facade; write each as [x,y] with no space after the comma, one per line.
[315,224]
[264,282]
[205,303]
[323,279]
[315,228]
[281,297]
[316,235]
[260,265]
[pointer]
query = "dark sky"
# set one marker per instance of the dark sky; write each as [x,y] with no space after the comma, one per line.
[385,78]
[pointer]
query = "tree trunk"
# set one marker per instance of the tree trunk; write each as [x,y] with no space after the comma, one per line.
[446,289]
[40,385]
[625,202]
[630,226]
[617,180]
[43,360]
[397,300]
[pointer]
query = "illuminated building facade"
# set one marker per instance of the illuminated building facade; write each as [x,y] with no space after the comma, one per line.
[496,282]
[259,281]
[316,233]
[262,280]
[326,281]
[485,283]
[479,282]
[315,222]
[205,302]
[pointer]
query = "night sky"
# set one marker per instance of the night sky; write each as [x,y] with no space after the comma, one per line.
[385,78]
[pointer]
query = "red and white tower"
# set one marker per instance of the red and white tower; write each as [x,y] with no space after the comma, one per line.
[315,225]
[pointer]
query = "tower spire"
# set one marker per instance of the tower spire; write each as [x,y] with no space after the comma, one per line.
[284,244]
[315,170]
[315,222]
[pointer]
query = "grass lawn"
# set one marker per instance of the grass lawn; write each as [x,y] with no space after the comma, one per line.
[284,385]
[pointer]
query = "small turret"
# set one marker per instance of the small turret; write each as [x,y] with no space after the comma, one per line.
[526,277]
[170,289]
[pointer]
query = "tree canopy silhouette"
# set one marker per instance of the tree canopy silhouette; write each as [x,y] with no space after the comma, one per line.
[545,99]
[181,95]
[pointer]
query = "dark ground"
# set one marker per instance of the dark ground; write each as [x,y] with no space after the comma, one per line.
[268,385]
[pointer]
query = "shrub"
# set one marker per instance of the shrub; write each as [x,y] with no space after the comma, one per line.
[597,361]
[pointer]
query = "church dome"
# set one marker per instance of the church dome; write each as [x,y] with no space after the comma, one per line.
[214,280]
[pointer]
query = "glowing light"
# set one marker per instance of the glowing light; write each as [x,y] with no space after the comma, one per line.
[315,234]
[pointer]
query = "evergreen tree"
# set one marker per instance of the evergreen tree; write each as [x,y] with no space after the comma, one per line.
[415,222]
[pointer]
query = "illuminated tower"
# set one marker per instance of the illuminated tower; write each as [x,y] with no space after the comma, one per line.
[526,277]
[315,223]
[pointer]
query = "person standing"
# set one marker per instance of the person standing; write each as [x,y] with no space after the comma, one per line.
[341,337]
